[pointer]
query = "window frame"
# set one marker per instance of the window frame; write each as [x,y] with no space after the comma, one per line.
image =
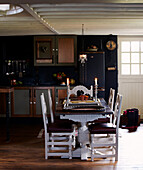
[129,38]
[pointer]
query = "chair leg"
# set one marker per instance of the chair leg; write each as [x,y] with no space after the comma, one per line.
[70,147]
[74,139]
[74,136]
[46,151]
[50,142]
[46,145]
[52,136]
[92,148]
[114,147]
[116,154]
[110,118]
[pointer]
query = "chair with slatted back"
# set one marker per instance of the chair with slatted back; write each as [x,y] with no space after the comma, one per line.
[79,88]
[50,111]
[59,121]
[108,145]
[54,133]
[111,101]
[111,105]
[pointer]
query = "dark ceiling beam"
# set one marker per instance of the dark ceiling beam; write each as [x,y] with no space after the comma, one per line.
[67,1]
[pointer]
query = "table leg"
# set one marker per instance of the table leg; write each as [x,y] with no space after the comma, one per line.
[83,138]
[7,118]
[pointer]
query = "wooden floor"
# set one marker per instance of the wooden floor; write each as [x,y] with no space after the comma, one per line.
[26,151]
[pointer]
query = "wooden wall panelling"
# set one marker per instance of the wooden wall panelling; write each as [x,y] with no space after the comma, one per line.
[65,50]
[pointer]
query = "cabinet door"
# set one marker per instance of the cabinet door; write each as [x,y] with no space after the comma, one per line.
[60,95]
[94,67]
[55,50]
[37,105]
[22,102]
[66,53]
[44,50]
[37,112]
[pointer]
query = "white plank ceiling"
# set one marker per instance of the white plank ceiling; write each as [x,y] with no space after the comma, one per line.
[67,16]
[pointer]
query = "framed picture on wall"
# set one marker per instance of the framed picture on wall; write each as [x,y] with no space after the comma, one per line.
[44,51]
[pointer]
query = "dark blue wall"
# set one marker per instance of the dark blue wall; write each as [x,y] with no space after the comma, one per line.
[21,48]
[111,77]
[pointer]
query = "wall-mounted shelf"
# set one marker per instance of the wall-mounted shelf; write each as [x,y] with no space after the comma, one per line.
[92,52]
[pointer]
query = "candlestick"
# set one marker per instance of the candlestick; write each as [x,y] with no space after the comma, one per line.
[96,91]
[68,81]
[68,94]
[96,87]
[95,81]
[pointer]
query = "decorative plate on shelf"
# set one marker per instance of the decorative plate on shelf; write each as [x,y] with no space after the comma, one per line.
[111,45]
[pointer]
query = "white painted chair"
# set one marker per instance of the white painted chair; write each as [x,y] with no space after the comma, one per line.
[111,105]
[59,121]
[111,98]
[54,133]
[79,88]
[111,101]
[108,145]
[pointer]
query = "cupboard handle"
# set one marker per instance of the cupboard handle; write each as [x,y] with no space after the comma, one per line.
[30,102]
[56,49]
[53,49]
[34,102]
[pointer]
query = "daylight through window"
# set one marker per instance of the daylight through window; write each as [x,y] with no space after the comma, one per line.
[131,57]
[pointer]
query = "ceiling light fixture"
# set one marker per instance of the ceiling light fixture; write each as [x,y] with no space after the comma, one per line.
[9,9]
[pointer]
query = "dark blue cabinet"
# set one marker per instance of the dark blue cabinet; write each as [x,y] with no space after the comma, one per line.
[94,67]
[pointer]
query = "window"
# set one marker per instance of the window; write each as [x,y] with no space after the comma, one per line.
[131,57]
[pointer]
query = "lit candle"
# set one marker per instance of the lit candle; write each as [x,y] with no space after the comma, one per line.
[68,81]
[95,81]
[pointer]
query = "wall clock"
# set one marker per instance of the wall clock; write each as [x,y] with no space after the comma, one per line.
[111,45]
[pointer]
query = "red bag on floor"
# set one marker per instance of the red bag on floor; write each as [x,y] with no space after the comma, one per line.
[131,116]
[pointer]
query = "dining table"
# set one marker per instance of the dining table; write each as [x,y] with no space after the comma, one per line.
[83,112]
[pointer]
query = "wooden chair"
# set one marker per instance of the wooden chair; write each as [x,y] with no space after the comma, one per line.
[110,143]
[54,133]
[59,121]
[80,88]
[53,118]
[111,101]
[111,105]
[77,89]
[111,98]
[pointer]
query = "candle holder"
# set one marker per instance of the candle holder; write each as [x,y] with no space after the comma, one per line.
[68,88]
[96,91]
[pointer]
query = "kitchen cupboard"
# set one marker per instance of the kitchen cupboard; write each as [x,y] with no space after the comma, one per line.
[94,67]
[22,99]
[26,101]
[36,99]
[60,94]
[55,50]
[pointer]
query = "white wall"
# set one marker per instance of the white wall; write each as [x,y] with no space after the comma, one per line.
[131,87]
